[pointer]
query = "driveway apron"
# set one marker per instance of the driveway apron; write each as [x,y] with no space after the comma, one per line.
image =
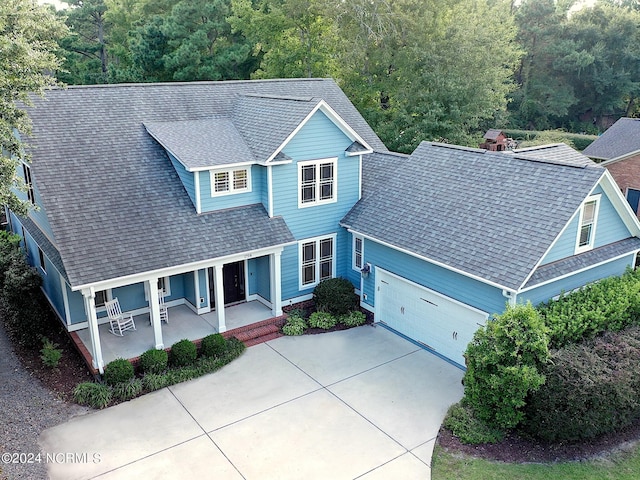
[361,403]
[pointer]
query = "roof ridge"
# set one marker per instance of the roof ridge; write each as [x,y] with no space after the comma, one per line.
[280,97]
[186,83]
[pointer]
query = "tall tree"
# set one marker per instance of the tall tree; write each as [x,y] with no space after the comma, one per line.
[28,42]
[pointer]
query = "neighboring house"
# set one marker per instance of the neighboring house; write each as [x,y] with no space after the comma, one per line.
[618,149]
[216,193]
[494,140]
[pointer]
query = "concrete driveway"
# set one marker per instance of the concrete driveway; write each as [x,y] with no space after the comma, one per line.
[362,403]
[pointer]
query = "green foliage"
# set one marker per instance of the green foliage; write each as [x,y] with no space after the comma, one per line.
[322,320]
[464,424]
[118,371]
[353,319]
[592,388]
[155,381]
[336,296]
[96,395]
[610,304]
[213,345]
[183,353]
[504,361]
[127,390]
[154,361]
[535,137]
[296,325]
[50,353]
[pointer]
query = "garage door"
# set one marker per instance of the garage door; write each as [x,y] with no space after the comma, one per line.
[439,322]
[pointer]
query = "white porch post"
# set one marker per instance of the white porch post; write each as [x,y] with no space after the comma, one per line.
[154,311]
[276,280]
[219,294]
[92,320]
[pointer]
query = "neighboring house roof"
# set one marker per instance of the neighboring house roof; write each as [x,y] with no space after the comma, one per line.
[489,215]
[492,134]
[622,138]
[114,201]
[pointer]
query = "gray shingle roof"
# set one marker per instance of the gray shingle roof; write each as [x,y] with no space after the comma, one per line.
[491,215]
[202,143]
[555,153]
[116,205]
[621,138]
[583,260]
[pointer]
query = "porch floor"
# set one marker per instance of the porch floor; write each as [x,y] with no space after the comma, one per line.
[183,323]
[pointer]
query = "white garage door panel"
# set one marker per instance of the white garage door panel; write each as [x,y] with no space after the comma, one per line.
[439,322]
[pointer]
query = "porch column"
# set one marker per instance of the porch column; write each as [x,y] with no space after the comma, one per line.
[218,284]
[92,320]
[154,311]
[276,283]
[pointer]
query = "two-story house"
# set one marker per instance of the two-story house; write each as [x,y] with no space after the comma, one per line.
[213,195]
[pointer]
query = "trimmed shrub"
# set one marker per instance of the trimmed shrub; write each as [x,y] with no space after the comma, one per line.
[96,395]
[183,353]
[128,390]
[336,296]
[322,320]
[154,361]
[504,360]
[118,371]
[50,353]
[296,325]
[353,319]
[464,424]
[214,345]
[592,388]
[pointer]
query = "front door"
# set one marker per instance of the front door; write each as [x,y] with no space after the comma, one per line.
[232,281]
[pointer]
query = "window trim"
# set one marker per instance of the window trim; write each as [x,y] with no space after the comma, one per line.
[28,181]
[41,260]
[354,253]
[317,260]
[317,182]
[108,297]
[165,289]
[592,234]
[232,190]
[24,240]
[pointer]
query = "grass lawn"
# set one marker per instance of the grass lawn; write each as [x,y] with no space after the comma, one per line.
[619,466]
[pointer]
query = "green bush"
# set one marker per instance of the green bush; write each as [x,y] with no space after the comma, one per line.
[322,320]
[611,304]
[464,424]
[592,388]
[118,371]
[336,296]
[50,353]
[353,319]
[213,345]
[95,395]
[504,360]
[183,353]
[296,325]
[127,390]
[154,361]
[155,381]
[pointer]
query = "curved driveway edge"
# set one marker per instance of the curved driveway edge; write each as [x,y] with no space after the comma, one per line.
[361,403]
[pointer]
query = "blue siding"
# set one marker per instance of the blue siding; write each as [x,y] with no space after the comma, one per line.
[220,202]
[76,306]
[52,286]
[38,216]
[190,288]
[259,277]
[464,289]
[550,290]
[609,228]
[131,297]
[204,292]
[186,177]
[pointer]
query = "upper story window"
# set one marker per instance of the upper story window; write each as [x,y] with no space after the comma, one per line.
[43,265]
[587,225]
[226,182]
[358,252]
[26,170]
[317,182]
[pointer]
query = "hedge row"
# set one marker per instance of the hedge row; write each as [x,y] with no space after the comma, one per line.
[579,141]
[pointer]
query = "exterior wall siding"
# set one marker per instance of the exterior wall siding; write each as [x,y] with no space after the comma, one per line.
[186,177]
[609,228]
[190,288]
[39,216]
[259,274]
[76,306]
[550,290]
[627,174]
[210,203]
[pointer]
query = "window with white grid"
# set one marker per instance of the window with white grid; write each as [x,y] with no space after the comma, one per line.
[226,182]
[317,182]
[317,260]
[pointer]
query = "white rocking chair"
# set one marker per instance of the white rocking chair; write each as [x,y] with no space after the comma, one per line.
[120,322]
[164,311]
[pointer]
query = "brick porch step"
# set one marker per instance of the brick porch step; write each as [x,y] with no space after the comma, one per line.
[259,332]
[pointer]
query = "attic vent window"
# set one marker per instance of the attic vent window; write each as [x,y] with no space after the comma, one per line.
[226,182]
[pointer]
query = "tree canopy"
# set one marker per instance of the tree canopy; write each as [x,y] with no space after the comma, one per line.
[28,41]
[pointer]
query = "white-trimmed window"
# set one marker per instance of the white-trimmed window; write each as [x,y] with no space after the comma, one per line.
[317,182]
[164,286]
[587,224]
[358,253]
[102,297]
[26,170]
[226,182]
[41,259]
[317,260]
[24,240]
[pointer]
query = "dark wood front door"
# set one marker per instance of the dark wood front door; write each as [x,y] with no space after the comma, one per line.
[232,283]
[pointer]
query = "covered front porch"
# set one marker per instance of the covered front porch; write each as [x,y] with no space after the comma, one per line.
[183,323]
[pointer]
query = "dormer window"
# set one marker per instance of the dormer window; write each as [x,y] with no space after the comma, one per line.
[226,182]
[587,225]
